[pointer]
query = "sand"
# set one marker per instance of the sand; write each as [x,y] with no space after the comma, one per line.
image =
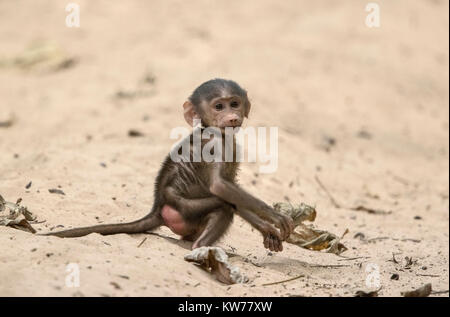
[364,110]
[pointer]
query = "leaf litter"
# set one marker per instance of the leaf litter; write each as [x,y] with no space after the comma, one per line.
[19,217]
[215,260]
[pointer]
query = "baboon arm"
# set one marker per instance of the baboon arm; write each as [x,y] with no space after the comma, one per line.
[235,195]
[271,236]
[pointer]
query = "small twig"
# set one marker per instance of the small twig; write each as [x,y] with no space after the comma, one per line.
[429,275]
[255,264]
[371,210]
[355,258]
[378,238]
[413,240]
[284,281]
[393,258]
[142,242]
[399,179]
[333,201]
[37,222]
[394,239]
[330,265]
[356,208]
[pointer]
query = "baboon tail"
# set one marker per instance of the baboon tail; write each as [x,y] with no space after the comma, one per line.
[149,222]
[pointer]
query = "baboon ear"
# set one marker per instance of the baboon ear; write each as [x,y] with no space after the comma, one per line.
[247,108]
[189,112]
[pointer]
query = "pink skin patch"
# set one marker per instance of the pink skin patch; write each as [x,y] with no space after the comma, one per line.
[174,221]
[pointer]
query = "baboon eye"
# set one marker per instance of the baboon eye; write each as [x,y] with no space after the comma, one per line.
[219,106]
[234,104]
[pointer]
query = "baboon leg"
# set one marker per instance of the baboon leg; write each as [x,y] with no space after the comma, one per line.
[215,226]
[192,208]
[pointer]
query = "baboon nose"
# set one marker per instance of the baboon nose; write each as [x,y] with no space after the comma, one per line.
[233,120]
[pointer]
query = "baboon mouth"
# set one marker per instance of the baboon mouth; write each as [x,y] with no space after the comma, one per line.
[238,125]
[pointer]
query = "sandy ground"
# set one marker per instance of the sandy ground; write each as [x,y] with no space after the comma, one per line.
[363,109]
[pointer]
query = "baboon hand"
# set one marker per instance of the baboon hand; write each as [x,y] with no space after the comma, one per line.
[282,222]
[272,238]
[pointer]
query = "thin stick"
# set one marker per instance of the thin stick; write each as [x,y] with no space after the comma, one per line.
[142,242]
[413,240]
[355,258]
[330,265]
[429,275]
[333,201]
[378,238]
[284,281]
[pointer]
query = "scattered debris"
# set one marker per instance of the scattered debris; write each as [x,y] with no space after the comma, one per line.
[41,56]
[142,242]
[409,239]
[56,191]
[428,275]
[284,281]
[393,259]
[357,208]
[55,227]
[327,143]
[355,258]
[7,123]
[215,260]
[394,239]
[133,94]
[19,217]
[333,201]
[330,265]
[306,236]
[363,134]
[115,285]
[28,185]
[149,78]
[423,291]
[409,262]
[399,179]
[135,133]
[377,239]
[370,210]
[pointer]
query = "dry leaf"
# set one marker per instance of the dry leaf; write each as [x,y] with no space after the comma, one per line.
[307,236]
[18,217]
[215,260]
